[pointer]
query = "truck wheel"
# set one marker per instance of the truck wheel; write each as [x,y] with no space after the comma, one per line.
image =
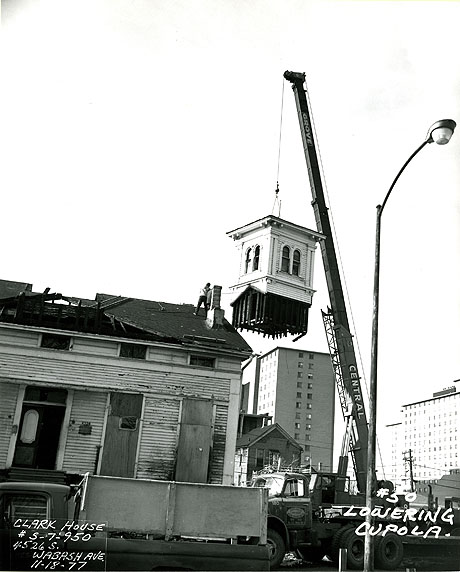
[333,552]
[277,548]
[389,552]
[355,549]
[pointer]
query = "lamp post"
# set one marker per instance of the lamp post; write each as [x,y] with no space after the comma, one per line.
[440,133]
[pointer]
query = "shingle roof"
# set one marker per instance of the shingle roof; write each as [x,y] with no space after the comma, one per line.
[172,321]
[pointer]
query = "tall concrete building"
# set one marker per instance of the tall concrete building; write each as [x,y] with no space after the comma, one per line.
[297,389]
[429,437]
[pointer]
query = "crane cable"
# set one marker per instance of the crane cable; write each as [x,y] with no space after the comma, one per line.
[277,201]
[340,259]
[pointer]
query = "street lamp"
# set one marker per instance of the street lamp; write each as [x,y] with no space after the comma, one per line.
[440,133]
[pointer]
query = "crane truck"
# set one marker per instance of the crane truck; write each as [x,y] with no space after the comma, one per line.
[317,514]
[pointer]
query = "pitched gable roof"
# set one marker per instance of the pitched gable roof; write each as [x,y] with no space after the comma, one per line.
[254,436]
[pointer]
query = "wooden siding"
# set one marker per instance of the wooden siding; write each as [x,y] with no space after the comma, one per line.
[164,355]
[67,370]
[91,346]
[9,393]
[19,337]
[229,364]
[81,451]
[158,438]
[216,469]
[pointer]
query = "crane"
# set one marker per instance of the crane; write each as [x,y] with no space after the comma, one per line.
[339,337]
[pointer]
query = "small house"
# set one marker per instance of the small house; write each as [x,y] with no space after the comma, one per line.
[262,447]
[116,386]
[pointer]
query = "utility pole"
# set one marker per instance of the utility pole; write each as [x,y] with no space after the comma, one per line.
[409,468]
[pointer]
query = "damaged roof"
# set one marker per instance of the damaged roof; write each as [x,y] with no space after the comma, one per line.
[118,316]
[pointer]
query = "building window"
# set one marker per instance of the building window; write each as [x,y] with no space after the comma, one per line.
[299,374]
[311,356]
[310,385]
[309,395]
[308,405]
[299,395]
[297,425]
[310,366]
[300,354]
[285,259]
[55,342]
[310,375]
[202,361]
[133,351]
[296,263]
[296,435]
[247,265]
[128,423]
[299,384]
[300,364]
[255,262]
[29,426]
[298,405]
[25,506]
[48,394]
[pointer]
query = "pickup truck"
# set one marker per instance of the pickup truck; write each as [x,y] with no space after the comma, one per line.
[111,523]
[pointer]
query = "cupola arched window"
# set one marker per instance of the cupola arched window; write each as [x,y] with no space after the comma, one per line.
[296,263]
[255,262]
[247,265]
[285,259]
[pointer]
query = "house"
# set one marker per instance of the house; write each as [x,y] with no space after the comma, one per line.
[265,446]
[116,386]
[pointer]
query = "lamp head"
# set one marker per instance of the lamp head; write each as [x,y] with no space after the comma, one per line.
[441,131]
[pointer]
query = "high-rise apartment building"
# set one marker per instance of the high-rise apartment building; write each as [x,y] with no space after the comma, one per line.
[429,435]
[297,389]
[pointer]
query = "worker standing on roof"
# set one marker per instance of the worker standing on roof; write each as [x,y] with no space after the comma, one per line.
[203,298]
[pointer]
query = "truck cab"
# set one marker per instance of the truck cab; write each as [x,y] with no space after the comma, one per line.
[289,523]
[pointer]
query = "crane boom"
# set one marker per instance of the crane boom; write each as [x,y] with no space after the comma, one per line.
[350,385]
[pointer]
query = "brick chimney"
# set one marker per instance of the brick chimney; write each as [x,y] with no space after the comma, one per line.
[215,315]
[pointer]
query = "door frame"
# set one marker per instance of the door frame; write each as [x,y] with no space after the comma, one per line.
[18,417]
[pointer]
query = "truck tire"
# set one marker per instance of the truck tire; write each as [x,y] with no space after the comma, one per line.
[277,548]
[388,552]
[355,549]
[333,553]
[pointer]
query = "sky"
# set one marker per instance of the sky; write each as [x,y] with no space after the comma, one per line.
[136,133]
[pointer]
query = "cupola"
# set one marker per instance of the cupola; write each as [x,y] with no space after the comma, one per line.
[274,289]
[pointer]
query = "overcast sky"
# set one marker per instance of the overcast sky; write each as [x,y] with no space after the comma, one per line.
[136,133]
